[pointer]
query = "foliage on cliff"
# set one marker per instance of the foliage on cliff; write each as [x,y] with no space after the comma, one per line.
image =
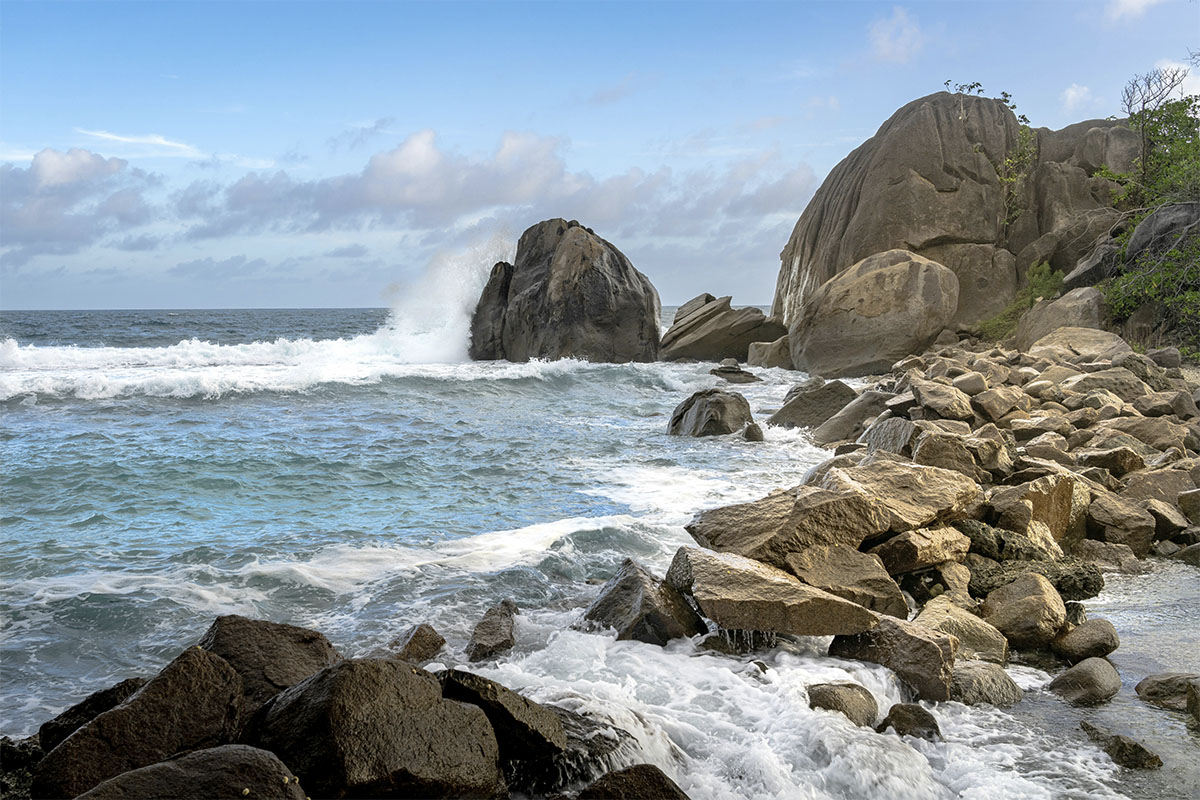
[1040,283]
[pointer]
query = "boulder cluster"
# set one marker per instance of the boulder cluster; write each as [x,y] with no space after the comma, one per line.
[259,709]
[975,496]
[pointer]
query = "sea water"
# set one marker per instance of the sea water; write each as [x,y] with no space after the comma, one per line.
[351,471]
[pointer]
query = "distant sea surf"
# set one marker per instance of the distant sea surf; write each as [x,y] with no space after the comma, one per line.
[349,470]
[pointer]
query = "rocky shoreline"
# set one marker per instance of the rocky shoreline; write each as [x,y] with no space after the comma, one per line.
[973,501]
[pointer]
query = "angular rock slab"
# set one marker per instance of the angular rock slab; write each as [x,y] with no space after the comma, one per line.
[418,644]
[914,550]
[196,702]
[789,521]
[380,728]
[1167,689]
[922,658]
[913,496]
[524,729]
[51,733]
[232,770]
[976,638]
[742,594]
[641,607]
[270,656]
[1123,750]
[493,635]
[849,574]
[714,330]
[812,407]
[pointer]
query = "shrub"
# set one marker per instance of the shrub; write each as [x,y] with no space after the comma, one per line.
[1169,279]
[1040,282]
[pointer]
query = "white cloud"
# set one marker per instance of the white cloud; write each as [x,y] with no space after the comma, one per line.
[153,139]
[896,38]
[1120,9]
[1191,84]
[1075,97]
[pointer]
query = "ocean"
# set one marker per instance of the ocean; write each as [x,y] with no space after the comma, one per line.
[350,471]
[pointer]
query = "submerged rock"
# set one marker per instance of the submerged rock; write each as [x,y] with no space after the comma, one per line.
[742,594]
[910,719]
[1167,689]
[568,294]
[1123,750]
[232,770]
[641,607]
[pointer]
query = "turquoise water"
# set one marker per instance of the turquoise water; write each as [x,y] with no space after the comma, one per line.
[348,470]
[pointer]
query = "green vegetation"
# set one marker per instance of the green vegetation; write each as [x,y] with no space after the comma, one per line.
[1040,282]
[1170,281]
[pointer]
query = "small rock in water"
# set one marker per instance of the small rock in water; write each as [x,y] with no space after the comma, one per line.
[1094,638]
[494,633]
[976,682]
[1089,682]
[640,606]
[855,701]
[418,644]
[1167,689]
[752,432]
[1122,749]
[910,719]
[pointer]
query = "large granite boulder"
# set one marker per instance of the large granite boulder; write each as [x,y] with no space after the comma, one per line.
[921,657]
[1088,344]
[789,521]
[381,728]
[710,412]
[269,656]
[742,594]
[928,182]
[640,606]
[713,330]
[850,574]
[232,770]
[1095,638]
[926,547]
[770,354]
[812,405]
[1161,228]
[568,294]
[851,420]
[868,317]
[1078,308]
[196,702]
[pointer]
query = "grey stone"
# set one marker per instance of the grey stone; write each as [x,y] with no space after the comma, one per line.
[641,607]
[910,719]
[812,407]
[1123,750]
[850,699]
[418,644]
[1089,682]
[716,331]
[493,635]
[921,657]
[980,682]
[711,412]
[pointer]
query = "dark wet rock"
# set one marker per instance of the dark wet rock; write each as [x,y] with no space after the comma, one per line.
[593,748]
[921,657]
[714,330]
[711,412]
[640,606]
[976,638]
[1072,578]
[1095,638]
[269,656]
[229,771]
[870,315]
[418,644]
[808,406]
[977,682]
[742,594]
[1167,689]
[851,699]
[639,782]
[850,574]
[1028,611]
[789,521]
[985,540]
[18,757]
[56,730]
[524,729]
[380,728]
[493,635]
[568,294]
[910,719]
[196,702]
[1123,750]
[1193,700]
[1076,613]
[1091,681]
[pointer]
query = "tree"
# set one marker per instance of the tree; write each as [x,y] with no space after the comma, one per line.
[1143,96]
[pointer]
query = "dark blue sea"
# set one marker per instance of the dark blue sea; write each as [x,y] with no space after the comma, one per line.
[349,470]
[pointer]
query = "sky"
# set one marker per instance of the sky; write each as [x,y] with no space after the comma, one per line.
[287,154]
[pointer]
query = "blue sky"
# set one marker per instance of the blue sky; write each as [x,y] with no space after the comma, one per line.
[219,154]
